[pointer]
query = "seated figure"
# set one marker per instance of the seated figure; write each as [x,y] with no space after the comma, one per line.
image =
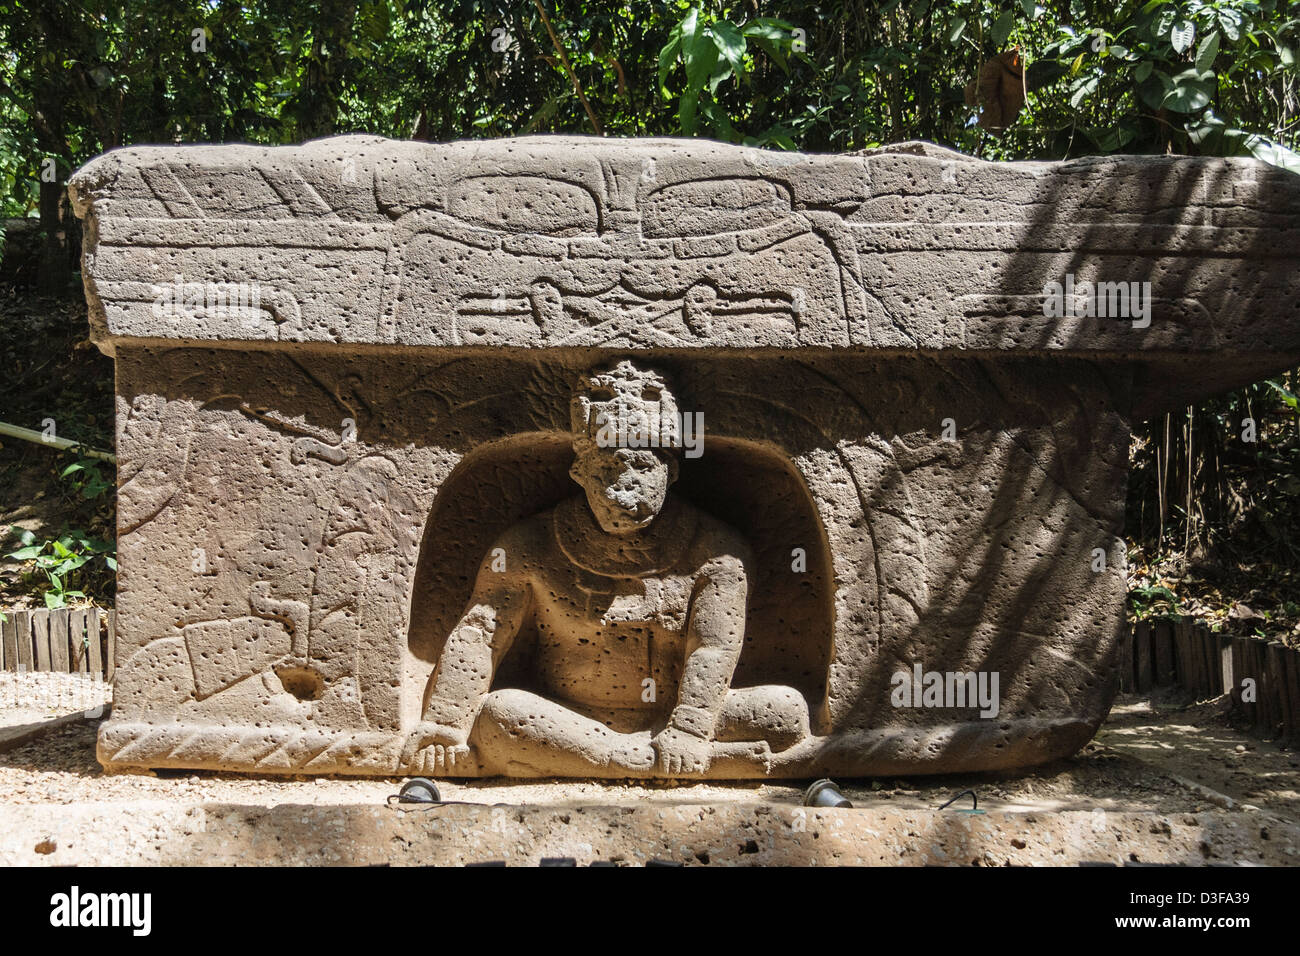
[638,601]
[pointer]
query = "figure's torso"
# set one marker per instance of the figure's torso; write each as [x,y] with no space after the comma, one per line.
[608,620]
[599,639]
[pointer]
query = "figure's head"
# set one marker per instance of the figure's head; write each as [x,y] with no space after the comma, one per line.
[625,443]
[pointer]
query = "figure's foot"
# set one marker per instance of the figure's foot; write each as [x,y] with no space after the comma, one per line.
[681,753]
[434,749]
[441,761]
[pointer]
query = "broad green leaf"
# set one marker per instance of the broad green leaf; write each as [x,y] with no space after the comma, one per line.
[1182,34]
[1230,22]
[730,43]
[1154,89]
[1084,89]
[1274,154]
[668,57]
[1165,22]
[1188,97]
[956,29]
[721,71]
[1002,28]
[767,28]
[719,122]
[772,50]
[53,600]
[699,54]
[1207,51]
[1290,399]
[686,108]
[26,554]
[1193,76]
[1113,140]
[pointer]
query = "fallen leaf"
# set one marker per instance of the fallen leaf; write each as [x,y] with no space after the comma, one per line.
[1243,612]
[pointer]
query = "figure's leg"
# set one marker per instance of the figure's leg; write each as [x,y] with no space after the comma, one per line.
[516,728]
[770,712]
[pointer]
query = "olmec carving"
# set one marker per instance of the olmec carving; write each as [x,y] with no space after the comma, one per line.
[639,603]
[373,518]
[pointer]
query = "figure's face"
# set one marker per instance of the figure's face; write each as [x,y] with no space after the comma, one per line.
[625,487]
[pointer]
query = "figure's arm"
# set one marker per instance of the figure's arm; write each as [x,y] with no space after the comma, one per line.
[475,647]
[715,635]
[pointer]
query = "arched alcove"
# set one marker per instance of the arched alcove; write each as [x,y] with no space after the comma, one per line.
[751,487]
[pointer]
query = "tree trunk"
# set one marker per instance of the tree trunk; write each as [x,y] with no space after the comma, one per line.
[53,272]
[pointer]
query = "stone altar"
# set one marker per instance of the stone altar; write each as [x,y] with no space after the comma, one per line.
[584,457]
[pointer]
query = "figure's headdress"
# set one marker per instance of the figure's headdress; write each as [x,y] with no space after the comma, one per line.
[622,406]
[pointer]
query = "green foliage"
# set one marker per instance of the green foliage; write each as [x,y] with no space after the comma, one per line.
[713,50]
[76,564]
[1288,397]
[1153,602]
[63,561]
[86,478]
[1186,76]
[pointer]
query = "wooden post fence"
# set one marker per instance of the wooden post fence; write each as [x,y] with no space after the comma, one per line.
[1262,677]
[71,640]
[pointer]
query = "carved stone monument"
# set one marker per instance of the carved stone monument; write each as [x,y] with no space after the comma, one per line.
[580,457]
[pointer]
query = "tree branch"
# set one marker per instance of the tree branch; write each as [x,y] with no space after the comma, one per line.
[577,87]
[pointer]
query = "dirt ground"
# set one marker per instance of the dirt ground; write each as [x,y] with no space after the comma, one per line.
[1201,743]
[1159,754]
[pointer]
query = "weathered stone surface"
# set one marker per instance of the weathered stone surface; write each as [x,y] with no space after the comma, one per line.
[629,244]
[350,534]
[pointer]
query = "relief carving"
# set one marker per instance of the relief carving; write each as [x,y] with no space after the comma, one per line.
[335,394]
[639,603]
[686,262]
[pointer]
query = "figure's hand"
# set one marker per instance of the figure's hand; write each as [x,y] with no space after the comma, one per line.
[682,753]
[433,748]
